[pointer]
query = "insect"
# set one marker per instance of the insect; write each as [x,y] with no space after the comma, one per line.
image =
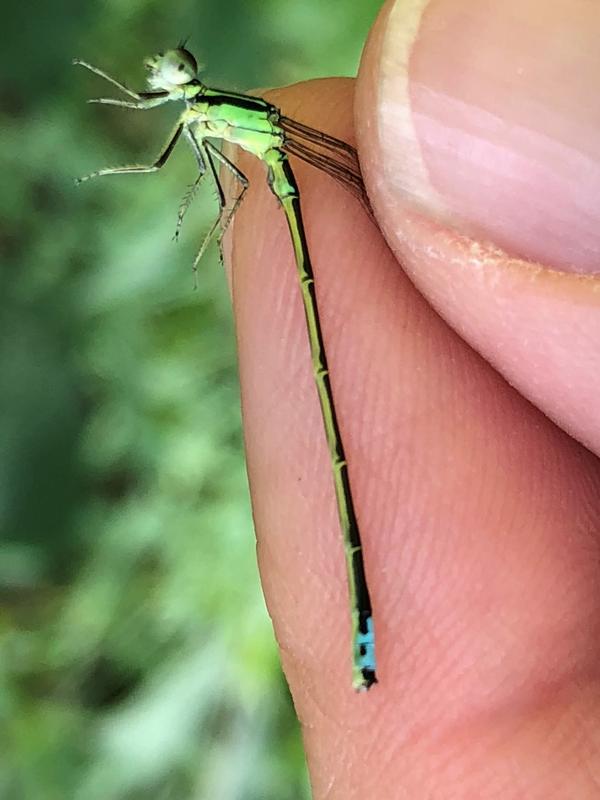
[259,128]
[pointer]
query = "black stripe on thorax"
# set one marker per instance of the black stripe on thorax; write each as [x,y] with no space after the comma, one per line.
[239,101]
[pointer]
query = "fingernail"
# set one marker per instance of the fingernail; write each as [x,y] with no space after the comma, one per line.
[489,120]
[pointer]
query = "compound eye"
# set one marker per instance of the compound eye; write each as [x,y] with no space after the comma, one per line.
[187,61]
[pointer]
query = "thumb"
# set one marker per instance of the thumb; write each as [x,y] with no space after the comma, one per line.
[478,126]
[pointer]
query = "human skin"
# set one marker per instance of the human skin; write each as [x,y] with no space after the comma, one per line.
[463,352]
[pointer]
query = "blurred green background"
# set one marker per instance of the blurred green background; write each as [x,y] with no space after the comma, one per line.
[137,659]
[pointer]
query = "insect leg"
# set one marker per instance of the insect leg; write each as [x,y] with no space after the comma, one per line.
[141,100]
[131,168]
[191,192]
[238,175]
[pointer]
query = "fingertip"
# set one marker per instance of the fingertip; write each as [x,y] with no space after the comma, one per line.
[477,128]
[484,117]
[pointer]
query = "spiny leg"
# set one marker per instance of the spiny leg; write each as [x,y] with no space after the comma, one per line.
[205,151]
[132,168]
[107,77]
[217,221]
[186,202]
[202,158]
[240,177]
[202,150]
[147,100]
[215,175]
[220,222]
[142,100]
[191,192]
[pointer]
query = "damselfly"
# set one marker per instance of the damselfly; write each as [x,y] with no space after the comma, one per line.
[259,128]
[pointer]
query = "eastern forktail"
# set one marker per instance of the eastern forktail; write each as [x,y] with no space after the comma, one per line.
[259,128]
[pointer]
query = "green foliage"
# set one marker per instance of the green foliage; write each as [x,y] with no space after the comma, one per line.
[136,656]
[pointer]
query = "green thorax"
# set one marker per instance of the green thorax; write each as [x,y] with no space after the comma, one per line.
[249,122]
